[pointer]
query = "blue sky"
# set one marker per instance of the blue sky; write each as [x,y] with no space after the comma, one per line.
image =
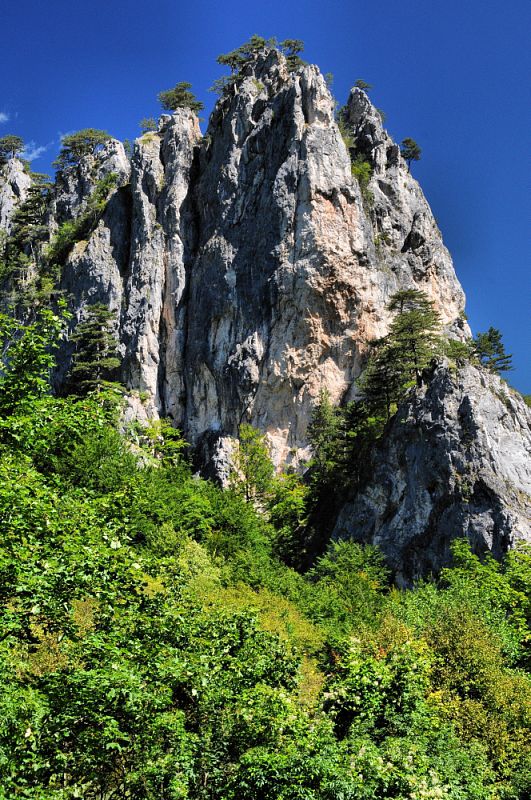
[454,75]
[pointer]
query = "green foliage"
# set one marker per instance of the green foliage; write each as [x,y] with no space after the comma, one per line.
[361,84]
[29,232]
[410,151]
[148,124]
[488,348]
[153,645]
[10,146]
[96,355]
[237,59]
[459,352]
[251,467]
[27,359]
[178,97]
[362,171]
[81,227]
[76,146]
[399,358]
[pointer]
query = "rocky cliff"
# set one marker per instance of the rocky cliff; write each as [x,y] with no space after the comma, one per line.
[14,184]
[454,461]
[248,270]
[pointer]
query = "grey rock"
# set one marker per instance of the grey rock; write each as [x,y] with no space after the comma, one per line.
[75,184]
[455,461]
[14,184]
[250,274]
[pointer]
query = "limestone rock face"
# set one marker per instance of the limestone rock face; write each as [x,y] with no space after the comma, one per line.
[408,240]
[14,184]
[246,269]
[75,184]
[455,461]
[288,283]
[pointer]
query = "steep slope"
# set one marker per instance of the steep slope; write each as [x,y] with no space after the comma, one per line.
[454,461]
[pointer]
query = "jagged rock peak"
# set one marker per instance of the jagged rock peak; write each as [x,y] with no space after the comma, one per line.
[247,269]
[454,461]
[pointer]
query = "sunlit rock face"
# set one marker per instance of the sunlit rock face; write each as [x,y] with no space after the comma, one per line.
[14,184]
[454,461]
[246,270]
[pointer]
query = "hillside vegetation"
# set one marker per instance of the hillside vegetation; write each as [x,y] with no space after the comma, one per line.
[155,645]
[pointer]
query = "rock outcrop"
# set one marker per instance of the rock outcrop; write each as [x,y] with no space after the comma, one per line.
[14,184]
[246,269]
[454,461]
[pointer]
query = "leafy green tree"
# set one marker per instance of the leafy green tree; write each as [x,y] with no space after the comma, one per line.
[75,146]
[251,469]
[148,124]
[410,151]
[180,97]
[27,358]
[324,435]
[489,349]
[96,355]
[10,146]
[361,84]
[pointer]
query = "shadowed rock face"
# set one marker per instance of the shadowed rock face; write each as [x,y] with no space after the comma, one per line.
[454,461]
[244,268]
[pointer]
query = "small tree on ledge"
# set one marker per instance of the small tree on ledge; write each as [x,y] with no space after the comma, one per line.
[490,351]
[410,151]
[10,146]
[76,146]
[363,85]
[180,97]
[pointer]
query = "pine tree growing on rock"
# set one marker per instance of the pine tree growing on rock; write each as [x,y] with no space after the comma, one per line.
[489,349]
[400,357]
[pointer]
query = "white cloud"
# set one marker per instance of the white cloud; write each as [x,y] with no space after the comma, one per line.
[4,117]
[32,150]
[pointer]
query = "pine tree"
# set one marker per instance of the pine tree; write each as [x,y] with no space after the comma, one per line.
[95,357]
[489,349]
[400,357]
[10,146]
[180,97]
[75,146]
[325,437]
[410,151]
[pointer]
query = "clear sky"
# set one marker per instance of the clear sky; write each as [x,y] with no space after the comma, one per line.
[452,74]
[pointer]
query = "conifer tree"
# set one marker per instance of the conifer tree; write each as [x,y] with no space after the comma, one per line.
[410,151]
[399,358]
[10,146]
[180,97]
[324,434]
[77,145]
[489,349]
[95,357]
